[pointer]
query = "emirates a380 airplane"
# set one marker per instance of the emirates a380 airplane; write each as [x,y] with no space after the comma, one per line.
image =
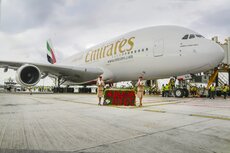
[153,52]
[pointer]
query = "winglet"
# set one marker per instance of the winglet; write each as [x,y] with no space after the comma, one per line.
[50,53]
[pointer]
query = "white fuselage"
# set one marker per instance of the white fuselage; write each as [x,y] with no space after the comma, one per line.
[154,52]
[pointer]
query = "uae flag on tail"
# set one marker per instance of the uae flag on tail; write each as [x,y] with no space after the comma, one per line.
[50,53]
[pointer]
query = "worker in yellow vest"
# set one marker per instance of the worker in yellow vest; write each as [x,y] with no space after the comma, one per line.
[172,82]
[163,90]
[166,90]
[212,91]
[225,90]
[192,90]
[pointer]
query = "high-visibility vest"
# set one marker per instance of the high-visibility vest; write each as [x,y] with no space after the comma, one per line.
[192,88]
[166,88]
[173,82]
[163,88]
[212,88]
[225,88]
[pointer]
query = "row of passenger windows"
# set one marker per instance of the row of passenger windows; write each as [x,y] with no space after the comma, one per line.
[135,51]
[132,52]
[191,36]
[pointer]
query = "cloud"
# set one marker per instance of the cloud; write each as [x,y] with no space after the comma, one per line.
[214,20]
[19,16]
[73,25]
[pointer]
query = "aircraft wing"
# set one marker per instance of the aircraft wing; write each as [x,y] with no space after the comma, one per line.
[77,74]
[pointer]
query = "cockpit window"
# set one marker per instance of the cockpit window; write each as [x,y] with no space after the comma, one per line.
[191,36]
[185,37]
[199,36]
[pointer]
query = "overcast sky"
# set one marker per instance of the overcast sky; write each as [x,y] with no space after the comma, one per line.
[74,25]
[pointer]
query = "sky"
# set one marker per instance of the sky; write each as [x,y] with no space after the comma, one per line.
[74,25]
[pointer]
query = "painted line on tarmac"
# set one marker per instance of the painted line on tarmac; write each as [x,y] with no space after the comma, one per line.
[144,106]
[165,103]
[65,100]
[153,110]
[210,116]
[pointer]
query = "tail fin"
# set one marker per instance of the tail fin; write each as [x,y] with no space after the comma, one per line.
[50,53]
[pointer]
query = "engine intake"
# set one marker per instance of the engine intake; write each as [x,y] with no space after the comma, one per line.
[28,75]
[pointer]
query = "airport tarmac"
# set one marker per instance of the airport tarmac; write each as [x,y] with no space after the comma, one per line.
[56,123]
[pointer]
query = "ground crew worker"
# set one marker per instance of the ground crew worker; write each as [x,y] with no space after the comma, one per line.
[191,90]
[172,82]
[163,90]
[100,88]
[166,90]
[140,90]
[30,90]
[196,90]
[225,90]
[212,91]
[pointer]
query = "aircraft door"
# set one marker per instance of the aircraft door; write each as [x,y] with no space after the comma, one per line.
[158,48]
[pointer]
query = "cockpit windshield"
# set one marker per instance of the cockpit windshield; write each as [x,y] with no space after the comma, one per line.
[192,36]
[185,37]
[199,36]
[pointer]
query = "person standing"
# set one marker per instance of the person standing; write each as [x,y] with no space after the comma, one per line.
[163,90]
[172,83]
[166,90]
[100,88]
[225,90]
[30,90]
[212,91]
[140,90]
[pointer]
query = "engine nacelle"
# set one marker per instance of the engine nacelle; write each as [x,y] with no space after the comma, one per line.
[28,75]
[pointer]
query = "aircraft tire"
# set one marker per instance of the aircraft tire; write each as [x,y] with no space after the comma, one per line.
[179,93]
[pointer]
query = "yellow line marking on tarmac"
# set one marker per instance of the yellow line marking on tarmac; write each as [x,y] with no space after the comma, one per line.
[153,110]
[210,116]
[163,103]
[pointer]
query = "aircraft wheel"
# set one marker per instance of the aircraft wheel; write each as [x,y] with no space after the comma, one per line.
[179,93]
[186,93]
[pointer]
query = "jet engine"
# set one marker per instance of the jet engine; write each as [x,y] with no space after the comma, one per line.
[28,75]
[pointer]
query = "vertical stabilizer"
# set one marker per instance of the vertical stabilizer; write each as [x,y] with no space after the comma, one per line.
[50,53]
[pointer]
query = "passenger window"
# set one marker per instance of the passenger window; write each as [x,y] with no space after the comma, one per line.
[185,37]
[191,36]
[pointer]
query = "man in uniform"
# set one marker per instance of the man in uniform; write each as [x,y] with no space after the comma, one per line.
[100,88]
[140,90]
[225,90]
[212,91]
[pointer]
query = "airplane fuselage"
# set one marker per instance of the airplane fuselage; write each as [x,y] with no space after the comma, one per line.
[154,52]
